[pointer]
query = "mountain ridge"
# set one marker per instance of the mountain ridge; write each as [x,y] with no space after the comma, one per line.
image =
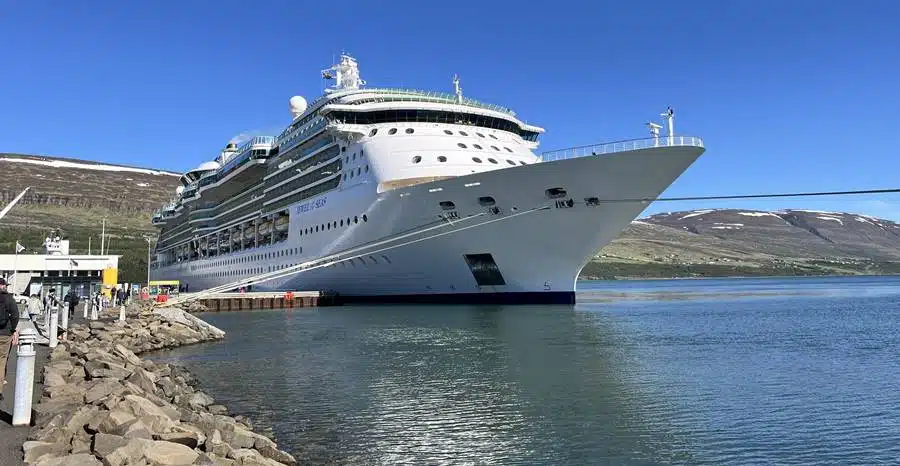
[77,194]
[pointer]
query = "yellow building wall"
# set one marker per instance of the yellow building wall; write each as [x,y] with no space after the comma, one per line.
[110,278]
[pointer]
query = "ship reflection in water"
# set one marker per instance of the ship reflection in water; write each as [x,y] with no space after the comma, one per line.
[731,379]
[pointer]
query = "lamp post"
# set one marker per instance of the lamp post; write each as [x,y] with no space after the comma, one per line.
[148,259]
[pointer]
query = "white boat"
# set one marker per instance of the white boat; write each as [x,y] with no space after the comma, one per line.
[415,196]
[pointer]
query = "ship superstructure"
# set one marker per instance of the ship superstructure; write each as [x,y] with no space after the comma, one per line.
[361,166]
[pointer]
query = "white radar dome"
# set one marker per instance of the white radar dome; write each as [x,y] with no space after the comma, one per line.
[298,105]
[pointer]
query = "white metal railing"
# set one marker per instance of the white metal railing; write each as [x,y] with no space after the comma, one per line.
[621,146]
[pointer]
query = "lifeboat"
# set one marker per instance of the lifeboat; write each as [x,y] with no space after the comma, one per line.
[265,228]
[236,237]
[249,233]
[281,224]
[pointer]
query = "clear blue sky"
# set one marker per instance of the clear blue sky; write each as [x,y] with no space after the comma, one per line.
[789,95]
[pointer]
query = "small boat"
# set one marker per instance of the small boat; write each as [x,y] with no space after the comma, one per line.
[281,224]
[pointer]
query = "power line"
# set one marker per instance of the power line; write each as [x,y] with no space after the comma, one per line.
[755,196]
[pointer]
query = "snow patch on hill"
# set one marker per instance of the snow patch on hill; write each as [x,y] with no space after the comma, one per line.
[86,166]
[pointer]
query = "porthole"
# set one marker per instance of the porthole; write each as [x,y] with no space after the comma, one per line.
[480,135]
[495,148]
[416,159]
[492,161]
[348,221]
[354,156]
[441,158]
[355,219]
[521,162]
[342,222]
[373,132]
[344,149]
[358,171]
[507,149]
[477,146]
[329,226]
[461,145]
[409,130]
[476,160]
[510,162]
[392,131]
[448,131]
[367,168]
[491,135]
[464,133]
[365,218]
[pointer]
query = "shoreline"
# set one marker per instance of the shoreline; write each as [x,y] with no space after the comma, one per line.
[103,404]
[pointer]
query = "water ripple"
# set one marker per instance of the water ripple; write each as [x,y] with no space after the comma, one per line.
[807,376]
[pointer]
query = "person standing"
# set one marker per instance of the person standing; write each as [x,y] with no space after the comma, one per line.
[9,333]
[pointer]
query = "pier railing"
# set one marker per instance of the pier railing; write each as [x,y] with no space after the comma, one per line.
[621,146]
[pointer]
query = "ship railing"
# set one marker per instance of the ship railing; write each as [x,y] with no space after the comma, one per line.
[621,146]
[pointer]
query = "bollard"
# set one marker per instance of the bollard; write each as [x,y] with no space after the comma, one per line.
[94,309]
[87,305]
[122,313]
[54,321]
[24,377]
[64,320]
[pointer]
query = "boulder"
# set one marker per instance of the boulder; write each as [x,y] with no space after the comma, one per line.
[188,439]
[199,400]
[164,453]
[80,459]
[131,453]
[35,450]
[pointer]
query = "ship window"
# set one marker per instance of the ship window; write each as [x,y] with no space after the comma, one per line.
[491,135]
[461,145]
[486,201]
[555,193]
[507,149]
[464,133]
[441,158]
[480,135]
[355,219]
[329,226]
[373,132]
[477,146]
[409,130]
[495,148]
[510,162]
[448,131]
[367,168]
[348,221]
[361,153]
[492,161]
[521,162]
[317,228]
[476,160]
[358,171]
[365,219]
[416,159]
[354,156]
[393,131]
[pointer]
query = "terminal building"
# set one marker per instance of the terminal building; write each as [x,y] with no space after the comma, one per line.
[34,274]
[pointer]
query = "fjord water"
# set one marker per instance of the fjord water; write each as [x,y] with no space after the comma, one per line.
[732,371]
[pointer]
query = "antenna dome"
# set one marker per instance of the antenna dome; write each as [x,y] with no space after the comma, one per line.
[298,105]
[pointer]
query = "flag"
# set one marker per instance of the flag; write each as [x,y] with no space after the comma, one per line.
[19,247]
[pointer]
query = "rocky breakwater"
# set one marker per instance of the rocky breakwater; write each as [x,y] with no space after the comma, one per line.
[102,404]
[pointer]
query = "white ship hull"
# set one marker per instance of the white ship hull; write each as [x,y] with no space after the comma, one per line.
[539,253]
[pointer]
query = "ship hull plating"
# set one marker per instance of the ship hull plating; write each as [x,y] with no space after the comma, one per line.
[515,235]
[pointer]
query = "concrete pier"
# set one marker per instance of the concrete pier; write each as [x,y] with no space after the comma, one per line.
[221,302]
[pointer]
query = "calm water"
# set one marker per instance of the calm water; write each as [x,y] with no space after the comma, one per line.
[735,371]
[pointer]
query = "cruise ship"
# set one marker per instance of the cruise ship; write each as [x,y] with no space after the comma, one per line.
[398,195]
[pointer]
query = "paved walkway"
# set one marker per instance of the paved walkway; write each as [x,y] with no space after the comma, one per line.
[12,438]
